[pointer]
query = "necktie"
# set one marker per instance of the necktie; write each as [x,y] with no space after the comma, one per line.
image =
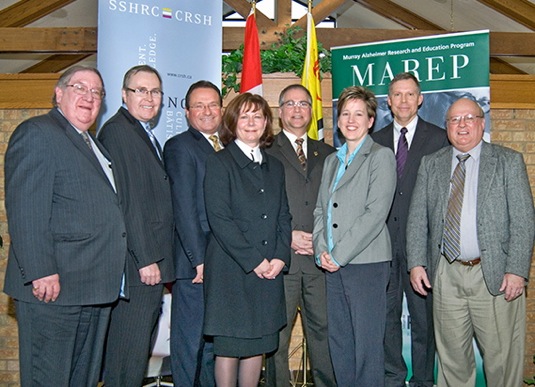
[403,151]
[87,141]
[215,140]
[452,225]
[300,153]
[154,141]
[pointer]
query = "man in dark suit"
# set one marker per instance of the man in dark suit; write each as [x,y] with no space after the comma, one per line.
[421,138]
[68,236]
[304,284]
[470,236]
[145,193]
[192,358]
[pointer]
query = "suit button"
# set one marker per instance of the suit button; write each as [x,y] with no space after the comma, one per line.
[264,216]
[165,177]
[306,203]
[400,193]
[264,242]
[335,205]
[261,190]
[335,225]
[123,235]
[395,219]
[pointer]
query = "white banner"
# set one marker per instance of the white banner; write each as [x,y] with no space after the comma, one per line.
[181,39]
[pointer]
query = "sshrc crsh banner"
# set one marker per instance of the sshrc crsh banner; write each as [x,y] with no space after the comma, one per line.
[181,39]
[448,66]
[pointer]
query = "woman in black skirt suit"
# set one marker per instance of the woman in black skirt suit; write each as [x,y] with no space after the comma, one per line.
[250,244]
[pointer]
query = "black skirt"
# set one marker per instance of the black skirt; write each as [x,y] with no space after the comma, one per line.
[240,347]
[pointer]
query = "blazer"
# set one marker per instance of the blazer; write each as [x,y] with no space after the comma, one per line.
[145,193]
[427,139]
[63,215]
[302,190]
[185,158]
[360,205]
[505,217]
[250,220]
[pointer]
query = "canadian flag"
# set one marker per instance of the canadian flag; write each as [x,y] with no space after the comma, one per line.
[251,76]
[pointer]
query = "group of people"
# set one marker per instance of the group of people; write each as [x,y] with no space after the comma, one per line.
[251,228]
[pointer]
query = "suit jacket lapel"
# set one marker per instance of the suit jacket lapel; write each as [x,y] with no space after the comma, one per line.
[443,174]
[357,162]
[487,172]
[204,145]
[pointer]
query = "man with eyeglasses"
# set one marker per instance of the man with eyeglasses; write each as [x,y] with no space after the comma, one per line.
[304,284]
[411,138]
[68,236]
[145,192]
[469,240]
[192,356]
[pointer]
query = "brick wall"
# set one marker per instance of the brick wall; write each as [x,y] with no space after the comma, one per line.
[513,128]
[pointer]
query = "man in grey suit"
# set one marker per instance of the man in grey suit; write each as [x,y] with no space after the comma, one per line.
[145,193]
[421,138]
[470,237]
[304,284]
[192,357]
[68,236]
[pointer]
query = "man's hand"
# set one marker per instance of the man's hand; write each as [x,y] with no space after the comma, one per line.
[199,278]
[46,288]
[150,275]
[513,286]
[327,263]
[419,280]
[302,242]
[276,267]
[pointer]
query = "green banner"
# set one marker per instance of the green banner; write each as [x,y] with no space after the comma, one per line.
[440,62]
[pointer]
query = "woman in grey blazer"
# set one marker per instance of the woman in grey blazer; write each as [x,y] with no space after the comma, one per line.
[352,243]
[250,220]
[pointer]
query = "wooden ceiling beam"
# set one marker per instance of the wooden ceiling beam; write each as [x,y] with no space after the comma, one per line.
[55,63]
[25,12]
[521,11]
[321,12]
[243,7]
[390,10]
[78,40]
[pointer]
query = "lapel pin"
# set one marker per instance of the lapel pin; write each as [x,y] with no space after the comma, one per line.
[316,153]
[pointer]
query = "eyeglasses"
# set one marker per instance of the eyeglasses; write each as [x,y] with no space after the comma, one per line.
[200,106]
[468,119]
[81,89]
[292,104]
[142,92]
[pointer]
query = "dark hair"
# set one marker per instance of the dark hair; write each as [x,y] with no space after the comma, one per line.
[295,86]
[358,92]
[203,85]
[139,69]
[66,77]
[246,102]
[404,77]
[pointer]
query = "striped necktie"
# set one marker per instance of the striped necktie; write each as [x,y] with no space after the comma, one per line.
[452,225]
[402,153]
[215,140]
[300,153]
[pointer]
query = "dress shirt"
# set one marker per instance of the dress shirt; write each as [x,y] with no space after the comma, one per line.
[469,242]
[411,129]
[292,137]
[253,153]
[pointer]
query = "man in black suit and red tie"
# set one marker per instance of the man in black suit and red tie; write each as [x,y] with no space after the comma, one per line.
[143,186]
[68,236]
[411,138]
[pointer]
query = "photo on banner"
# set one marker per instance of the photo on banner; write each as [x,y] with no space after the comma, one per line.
[448,67]
[159,34]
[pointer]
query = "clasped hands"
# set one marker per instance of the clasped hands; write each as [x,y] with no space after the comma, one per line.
[269,269]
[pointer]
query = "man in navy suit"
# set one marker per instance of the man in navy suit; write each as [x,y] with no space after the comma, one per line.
[422,138]
[145,192]
[68,236]
[192,359]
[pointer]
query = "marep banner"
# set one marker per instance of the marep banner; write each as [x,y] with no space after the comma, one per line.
[448,66]
[181,39]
